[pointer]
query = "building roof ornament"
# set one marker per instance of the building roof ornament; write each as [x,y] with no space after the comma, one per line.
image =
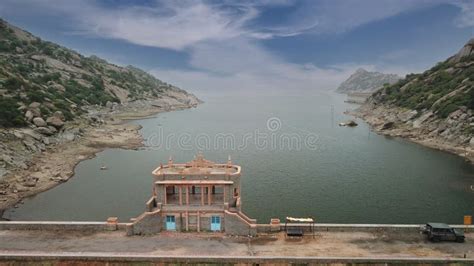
[198,166]
[199,161]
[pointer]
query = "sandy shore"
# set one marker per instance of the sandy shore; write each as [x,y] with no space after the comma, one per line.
[56,165]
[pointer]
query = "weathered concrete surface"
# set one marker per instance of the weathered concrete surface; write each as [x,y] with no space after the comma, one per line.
[155,225]
[146,224]
[133,259]
[236,224]
[58,225]
[329,245]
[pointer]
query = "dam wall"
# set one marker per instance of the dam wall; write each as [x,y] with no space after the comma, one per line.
[261,228]
[101,259]
[57,226]
[269,228]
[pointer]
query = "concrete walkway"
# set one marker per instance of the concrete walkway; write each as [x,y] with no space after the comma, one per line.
[325,245]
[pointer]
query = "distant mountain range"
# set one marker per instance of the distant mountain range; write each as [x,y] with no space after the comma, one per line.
[434,108]
[365,81]
[39,78]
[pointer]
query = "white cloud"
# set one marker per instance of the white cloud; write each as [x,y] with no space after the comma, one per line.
[342,15]
[224,50]
[466,19]
[169,24]
[241,65]
[181,24]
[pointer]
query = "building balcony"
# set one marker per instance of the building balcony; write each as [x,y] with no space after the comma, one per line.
[195,199]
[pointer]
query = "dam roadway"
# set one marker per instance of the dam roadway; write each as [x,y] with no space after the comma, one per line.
[327,246]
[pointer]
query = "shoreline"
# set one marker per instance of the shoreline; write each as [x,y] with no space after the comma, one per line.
[56,165]
[412,135]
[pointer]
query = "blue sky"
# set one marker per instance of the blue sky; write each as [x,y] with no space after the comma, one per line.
[254,45]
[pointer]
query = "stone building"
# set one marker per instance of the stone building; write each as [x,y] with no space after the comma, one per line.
[199,195]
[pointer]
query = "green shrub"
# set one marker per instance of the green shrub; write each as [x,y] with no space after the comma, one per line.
[5,46]
[471,100]
[446,110]
[10,116]
[48,77]
[13,84]
[35,94]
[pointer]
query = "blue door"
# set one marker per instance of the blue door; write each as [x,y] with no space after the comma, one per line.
[170,223]
[215,223]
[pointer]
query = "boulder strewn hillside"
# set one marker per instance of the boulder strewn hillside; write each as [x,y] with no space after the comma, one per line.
[434,107]
[365,81]
[58,108]
[40,80]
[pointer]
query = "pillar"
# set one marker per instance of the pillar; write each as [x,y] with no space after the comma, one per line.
[187,217]
[180,191]
[202,195]
[224,188]
[187,195]
[209,195]
[166,194]
[198,221]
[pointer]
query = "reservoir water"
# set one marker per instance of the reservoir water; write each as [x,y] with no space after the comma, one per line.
[296,162]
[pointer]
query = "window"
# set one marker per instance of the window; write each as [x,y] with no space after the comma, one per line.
[170,219]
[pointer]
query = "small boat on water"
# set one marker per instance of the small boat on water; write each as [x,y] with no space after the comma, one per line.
[103,167]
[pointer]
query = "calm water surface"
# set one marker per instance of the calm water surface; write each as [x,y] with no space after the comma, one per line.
[353,175]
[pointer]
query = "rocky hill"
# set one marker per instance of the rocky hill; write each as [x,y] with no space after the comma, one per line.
[44,84]
[58,107]
[365,81]
[434,108]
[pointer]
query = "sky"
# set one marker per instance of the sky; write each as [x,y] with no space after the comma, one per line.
[253,46]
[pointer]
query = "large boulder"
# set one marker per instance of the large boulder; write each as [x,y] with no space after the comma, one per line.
[34,108]
[36,112]
[55,121]
[30,181]
[108,104]
[53,129]
[58,87]
[44,130]
[59,115]
[29,115]
[349,123]
[34,105]
[18,134]
[387,125]
[407,115]
[39,122]
[31,134]
[466,51]
[420,120]
[455,114]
